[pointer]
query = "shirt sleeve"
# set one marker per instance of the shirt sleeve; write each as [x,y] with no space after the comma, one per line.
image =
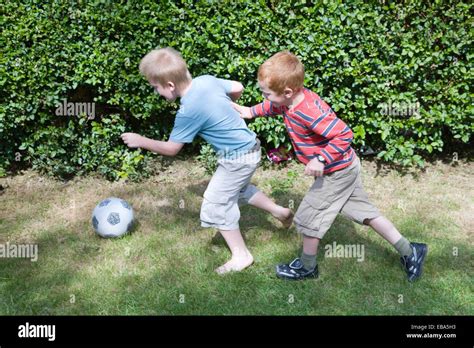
[267,108]
[225,84]
[328,125]
[185,129]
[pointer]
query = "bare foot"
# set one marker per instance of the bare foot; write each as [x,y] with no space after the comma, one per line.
[285,216]
[236,264]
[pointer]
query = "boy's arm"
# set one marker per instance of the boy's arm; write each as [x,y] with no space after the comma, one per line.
[263,109]
[236,90]
[266,108]
[166,148]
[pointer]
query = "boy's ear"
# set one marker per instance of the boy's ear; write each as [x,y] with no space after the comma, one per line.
[171,86]
[288,92]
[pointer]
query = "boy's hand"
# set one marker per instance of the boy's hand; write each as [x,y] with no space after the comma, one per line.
[132,139]
[244,111]
[314,168]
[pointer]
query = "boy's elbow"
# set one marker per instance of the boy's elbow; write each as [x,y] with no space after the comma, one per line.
[348,135]
[174,148]
[239,87]
[351,136]
[171,152]
[174,152]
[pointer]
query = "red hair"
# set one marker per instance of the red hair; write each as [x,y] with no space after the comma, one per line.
[282,70]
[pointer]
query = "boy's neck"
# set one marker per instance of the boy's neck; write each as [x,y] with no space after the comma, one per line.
[298,98]
[185,89]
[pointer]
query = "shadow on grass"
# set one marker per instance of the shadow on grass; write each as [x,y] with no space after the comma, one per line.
[181,289]
[345,286]
[452,156]
[37,288]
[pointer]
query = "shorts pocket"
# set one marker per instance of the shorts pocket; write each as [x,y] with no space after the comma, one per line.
[214,209]
[317,202]
[311,212]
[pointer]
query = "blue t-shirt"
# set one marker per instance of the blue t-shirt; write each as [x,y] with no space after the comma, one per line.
[206,111]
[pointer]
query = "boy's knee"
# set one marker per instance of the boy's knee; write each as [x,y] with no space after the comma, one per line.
[370,221]
[367,221]
[247,193]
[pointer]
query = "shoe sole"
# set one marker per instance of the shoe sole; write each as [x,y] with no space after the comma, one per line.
[294,279]
[423,259]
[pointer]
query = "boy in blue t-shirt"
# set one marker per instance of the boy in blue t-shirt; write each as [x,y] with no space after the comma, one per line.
[206,110]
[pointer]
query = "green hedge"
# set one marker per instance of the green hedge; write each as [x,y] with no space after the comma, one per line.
[358,57]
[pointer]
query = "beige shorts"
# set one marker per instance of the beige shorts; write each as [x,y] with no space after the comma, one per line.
[331,194]
[228,189]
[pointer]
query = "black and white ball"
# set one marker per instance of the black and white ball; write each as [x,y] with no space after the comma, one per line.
[113,217]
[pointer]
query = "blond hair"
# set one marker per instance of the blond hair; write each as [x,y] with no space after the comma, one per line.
[165,65]
[282,70]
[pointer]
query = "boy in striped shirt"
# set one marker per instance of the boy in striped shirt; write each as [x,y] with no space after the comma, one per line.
[322,142]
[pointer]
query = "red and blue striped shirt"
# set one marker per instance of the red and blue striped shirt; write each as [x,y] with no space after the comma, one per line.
[314,130]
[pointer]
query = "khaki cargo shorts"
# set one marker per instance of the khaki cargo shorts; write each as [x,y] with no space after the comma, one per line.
[228,189]
[331,194]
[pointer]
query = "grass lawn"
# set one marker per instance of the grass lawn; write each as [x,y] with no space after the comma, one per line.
[166,267]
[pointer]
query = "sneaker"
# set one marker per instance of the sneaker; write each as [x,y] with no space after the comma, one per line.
[413,264]
[296,271]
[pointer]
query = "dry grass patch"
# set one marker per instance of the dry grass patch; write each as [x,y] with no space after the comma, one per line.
[170,254]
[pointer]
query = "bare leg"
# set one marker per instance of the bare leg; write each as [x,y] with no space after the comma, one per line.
[241,257]
[385,228]
[260,200]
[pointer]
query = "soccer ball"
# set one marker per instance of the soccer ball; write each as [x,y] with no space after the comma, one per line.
[112,217]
